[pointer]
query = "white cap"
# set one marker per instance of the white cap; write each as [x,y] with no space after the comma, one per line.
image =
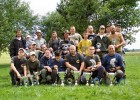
[32,53]
[38,31]
[102,26]
[33,43]
[21,49]
[28,36]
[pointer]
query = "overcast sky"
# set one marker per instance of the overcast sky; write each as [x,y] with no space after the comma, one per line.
[41,7]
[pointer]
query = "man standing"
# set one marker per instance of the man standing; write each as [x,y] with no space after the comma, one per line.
[17,43]
[75,37]
[39,41]
[91,35]
[101,42]
[18,67]
[116,39]
[54,41]
[65,44]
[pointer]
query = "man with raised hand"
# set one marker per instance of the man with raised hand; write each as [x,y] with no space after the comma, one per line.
[18,67]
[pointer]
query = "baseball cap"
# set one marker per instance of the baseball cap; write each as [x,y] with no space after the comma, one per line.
[32,53]
[66,32]
[38,31]
[33,43]
[21,49]
[102,26]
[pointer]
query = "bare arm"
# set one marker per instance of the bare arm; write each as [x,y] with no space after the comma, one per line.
[15,70]
[82,66]
[122,41]
[68,65]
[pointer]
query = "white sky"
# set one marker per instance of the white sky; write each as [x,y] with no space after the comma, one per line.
[42,7]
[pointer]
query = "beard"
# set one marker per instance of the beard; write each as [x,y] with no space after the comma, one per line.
[112,32]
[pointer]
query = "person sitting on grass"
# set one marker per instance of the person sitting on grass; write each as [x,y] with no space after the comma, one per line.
[33,68]
[113,63]
[18,67]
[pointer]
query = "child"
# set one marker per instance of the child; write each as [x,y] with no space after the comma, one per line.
[84,44]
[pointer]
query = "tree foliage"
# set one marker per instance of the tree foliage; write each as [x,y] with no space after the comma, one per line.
[53,22]
[81,13]
[14,14]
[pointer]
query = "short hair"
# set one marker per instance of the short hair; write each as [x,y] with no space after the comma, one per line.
[17,30]
[57,53]
[85,32]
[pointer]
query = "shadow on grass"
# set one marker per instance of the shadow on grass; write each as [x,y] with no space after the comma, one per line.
[4,66]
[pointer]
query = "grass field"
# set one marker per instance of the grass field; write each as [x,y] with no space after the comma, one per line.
[131,91]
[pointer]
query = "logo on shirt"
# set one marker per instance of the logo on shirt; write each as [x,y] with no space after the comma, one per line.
[77,61]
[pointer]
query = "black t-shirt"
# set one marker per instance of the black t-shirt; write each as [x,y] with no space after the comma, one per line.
[19,63]
[33,66]
[91,61]
[75,60]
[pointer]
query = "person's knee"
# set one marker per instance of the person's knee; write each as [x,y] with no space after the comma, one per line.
[119,74]
[101,68]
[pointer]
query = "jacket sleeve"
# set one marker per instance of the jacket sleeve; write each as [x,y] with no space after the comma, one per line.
[42,63]
[12,48]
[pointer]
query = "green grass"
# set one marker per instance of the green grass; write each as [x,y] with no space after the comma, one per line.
[131,91]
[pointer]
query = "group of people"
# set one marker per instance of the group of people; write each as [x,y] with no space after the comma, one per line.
[98,54]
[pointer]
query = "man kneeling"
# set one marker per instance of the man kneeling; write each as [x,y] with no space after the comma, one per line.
[113,63]
[48,73]
[93,65]
[18,68]
[74,63]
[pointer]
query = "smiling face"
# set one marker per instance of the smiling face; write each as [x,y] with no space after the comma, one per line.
[47,53]
[111,49]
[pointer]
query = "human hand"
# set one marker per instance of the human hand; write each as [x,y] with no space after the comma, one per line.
[98,50]
[18,75]
[49,69]
[55,67]
[75,69]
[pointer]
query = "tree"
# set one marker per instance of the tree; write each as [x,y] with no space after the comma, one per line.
[14,14]
[53,22]
[96,12]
